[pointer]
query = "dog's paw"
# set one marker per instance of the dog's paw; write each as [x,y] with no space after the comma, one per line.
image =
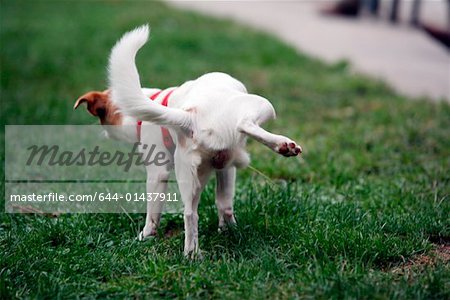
[194,255]
[142,237]
[227,221]
[191,249]
[288,148]
[227,228]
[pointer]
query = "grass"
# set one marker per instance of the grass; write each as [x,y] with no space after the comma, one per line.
[369,194]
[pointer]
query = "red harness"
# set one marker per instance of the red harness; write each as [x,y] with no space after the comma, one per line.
[167,138]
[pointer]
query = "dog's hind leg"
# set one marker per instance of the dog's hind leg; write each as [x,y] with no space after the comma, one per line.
[157,178]
[191,181]
[278,143]
[224,196]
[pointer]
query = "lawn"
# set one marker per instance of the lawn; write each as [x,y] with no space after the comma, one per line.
[364,213]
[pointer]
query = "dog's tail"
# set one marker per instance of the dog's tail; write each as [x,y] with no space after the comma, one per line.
[125,85]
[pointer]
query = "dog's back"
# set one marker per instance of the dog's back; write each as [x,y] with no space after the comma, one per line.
[210,108]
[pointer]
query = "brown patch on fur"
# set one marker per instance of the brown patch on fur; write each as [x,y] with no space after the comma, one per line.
[220,159]
[100,105]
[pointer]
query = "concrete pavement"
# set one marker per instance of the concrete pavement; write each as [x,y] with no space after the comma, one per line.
[404,57]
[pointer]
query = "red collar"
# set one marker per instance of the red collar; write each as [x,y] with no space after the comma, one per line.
[167,138]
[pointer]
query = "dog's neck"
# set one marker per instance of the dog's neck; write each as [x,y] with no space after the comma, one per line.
[120,127]
[124,132]
[129,128]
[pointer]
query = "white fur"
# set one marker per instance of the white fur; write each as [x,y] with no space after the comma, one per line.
[209,119]
[124,79]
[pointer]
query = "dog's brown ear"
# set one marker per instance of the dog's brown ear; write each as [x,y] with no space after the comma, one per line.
[80,101]
[96,103]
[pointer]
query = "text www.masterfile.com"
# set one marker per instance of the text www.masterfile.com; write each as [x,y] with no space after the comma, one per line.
[94,197]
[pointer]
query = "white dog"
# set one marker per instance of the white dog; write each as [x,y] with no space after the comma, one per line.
[208,121]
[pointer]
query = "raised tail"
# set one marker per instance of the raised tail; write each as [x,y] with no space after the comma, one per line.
[125,85]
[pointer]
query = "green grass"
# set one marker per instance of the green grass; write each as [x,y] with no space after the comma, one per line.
[370,192]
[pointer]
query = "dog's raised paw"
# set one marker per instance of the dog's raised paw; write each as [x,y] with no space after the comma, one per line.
[288,148]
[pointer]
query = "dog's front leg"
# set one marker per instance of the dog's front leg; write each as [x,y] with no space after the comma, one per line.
[156,183]
[226,180]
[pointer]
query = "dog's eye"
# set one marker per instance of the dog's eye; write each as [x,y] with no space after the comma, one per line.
[101,112]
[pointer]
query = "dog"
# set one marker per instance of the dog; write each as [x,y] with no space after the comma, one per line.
[205,122]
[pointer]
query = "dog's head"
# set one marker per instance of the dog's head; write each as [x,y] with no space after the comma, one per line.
[99,104]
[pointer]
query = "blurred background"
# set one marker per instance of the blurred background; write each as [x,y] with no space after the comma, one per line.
[404,42]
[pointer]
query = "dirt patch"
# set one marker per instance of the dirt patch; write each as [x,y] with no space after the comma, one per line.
[439,255]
